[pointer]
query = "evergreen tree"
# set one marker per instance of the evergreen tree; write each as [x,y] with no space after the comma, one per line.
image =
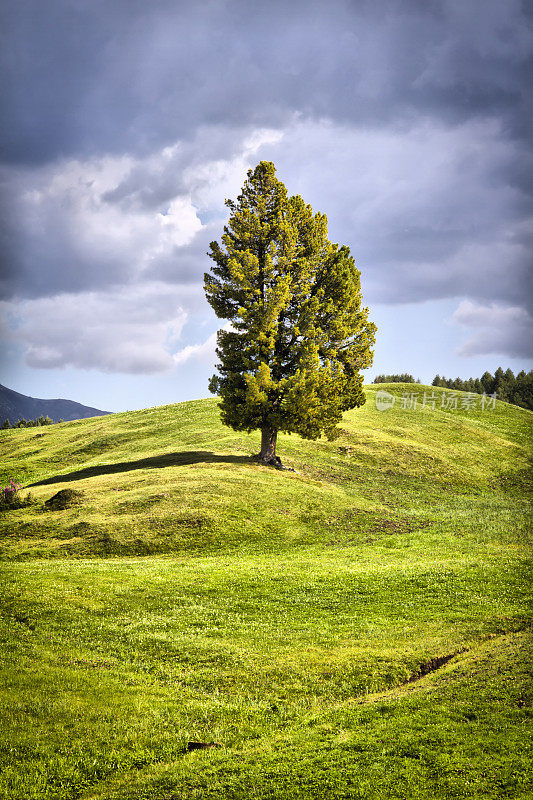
[508,384]
[6,424]
[299,337]
[487,382]
[499,384]
[523,392]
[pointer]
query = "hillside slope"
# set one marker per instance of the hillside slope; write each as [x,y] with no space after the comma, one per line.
[15,406]
[174,479]
[199,626]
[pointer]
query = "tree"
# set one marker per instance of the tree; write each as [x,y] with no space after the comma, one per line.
[508,384]
[403,378]
[523,393]
[487,382]
[499,384]
[298,339]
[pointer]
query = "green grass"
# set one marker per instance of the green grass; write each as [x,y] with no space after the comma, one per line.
[193,596]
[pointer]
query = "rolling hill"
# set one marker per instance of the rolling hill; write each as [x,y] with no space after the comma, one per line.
[195,625]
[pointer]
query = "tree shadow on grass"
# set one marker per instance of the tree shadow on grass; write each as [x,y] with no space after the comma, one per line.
[183,459]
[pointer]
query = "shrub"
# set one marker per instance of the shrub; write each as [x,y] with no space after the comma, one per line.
[10,496]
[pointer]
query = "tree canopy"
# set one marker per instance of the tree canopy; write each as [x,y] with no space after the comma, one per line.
[298,336]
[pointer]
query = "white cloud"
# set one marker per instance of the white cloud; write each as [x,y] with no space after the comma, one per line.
[66,210]
[131,330]
[83,225]
[206,351]
[198,352]
[498,330]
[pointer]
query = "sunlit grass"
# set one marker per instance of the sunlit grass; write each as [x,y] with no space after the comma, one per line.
[193,596]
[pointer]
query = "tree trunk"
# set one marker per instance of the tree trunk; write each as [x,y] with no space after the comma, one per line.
[268,446]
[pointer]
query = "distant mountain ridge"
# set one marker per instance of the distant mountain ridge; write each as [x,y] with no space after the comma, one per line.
[15,406]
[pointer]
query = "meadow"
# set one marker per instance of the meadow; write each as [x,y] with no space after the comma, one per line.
[193,625]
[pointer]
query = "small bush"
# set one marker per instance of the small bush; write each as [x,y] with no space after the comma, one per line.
[10,496]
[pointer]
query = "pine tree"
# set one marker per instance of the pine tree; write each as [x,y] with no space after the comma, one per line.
[499,380]
[299,337]
[523,394]
[508,385]
[487,382]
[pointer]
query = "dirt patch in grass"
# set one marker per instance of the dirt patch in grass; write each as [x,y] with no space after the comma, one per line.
[431,666]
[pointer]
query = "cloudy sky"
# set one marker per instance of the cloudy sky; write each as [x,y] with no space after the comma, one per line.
[125,125]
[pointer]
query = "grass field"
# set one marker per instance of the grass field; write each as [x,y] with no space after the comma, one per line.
[359,628]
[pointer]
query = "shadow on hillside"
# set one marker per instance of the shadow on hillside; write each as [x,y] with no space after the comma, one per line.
[182,459]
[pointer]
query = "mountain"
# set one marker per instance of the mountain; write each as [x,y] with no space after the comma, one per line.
[15,406]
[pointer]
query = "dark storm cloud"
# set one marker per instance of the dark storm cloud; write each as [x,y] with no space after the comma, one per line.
[108,77]
[426,212]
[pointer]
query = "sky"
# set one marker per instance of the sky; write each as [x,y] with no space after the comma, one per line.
[125,125]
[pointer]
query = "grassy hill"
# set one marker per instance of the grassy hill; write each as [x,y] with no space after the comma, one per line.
[358,628]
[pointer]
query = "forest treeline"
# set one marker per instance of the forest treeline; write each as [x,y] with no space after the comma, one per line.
[515,389]
[28,423]
[403,378]
[511,388]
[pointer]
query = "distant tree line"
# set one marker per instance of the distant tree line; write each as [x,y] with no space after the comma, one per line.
[516,390]
[403,378]
[29,423]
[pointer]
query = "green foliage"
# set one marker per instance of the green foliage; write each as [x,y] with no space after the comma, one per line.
[403,378]
[299,337]
[504,385]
